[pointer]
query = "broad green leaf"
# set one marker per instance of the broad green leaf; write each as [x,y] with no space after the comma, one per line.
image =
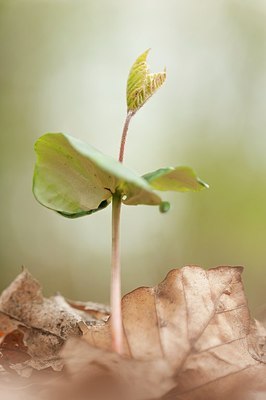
[74,179]
[141,84]
[180,179]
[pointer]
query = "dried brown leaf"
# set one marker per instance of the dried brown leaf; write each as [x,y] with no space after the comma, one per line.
[189,338]
[42,326]
[23,301]
[91,311]
[195,319]
[127,378]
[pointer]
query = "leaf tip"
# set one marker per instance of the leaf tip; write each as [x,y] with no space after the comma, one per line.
[164,207]
[203,184]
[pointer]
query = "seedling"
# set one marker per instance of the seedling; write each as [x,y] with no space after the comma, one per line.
[74,179]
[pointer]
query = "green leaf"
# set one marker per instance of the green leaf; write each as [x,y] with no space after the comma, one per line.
[180,179]
[102,205]
[74,179]
[141,84]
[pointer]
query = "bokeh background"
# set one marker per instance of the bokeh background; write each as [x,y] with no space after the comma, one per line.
[63,67]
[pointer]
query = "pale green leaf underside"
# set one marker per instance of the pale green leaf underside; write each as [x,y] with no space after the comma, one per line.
[180,179]
[74,179]
[141,84]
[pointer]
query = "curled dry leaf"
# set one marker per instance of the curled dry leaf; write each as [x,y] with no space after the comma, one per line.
[189,338]
[33,328]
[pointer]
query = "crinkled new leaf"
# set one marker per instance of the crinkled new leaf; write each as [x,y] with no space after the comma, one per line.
[141,84]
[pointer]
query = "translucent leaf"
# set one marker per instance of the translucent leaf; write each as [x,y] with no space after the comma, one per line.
[134,194]
[141,84]
[74,179]
[180,179]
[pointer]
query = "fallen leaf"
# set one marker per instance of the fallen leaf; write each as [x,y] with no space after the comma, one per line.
[33,329]
[23,301]
[91,311]
[199,322]
[116,377]
[13,349]
[189,338]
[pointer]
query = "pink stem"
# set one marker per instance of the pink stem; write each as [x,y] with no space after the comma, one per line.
[116,318]
[124,135]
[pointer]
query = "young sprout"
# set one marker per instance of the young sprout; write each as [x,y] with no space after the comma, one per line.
[74,179]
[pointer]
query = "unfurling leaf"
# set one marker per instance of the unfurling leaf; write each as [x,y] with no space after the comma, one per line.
[141,84]
[179,179]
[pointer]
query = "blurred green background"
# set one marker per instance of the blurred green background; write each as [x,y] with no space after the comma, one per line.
[64,66]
